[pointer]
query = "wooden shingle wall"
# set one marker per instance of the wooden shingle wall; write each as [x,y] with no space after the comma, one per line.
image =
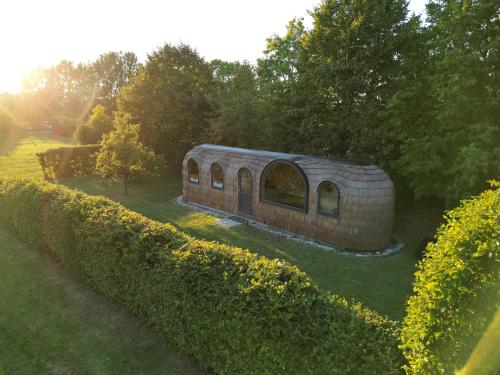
[366,214]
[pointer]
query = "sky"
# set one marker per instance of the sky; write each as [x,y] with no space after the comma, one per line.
[37,33]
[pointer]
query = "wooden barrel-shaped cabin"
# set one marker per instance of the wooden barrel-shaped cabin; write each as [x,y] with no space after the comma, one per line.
[342,203]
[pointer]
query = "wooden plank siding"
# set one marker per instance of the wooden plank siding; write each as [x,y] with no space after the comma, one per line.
[366,214]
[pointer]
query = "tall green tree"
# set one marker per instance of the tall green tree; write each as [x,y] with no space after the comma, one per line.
[98,124]
[67,92]
[234,99]
[452,148]
[282,92]
[110,72]
[353,66]
[52,92]
[170,99]
[122,154]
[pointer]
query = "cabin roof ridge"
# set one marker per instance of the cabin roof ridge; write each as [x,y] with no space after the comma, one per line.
[279,155]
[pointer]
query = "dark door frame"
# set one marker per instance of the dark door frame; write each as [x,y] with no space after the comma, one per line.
[245,199]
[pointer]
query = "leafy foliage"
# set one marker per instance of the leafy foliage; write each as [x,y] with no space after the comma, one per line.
[169,98]
[235,311]
[99,123]
[368,81]
[109,73]
[282,95]
[353,61]
[447,115]
[68,161]
[68,90]
[121,153]
[457,288]
[235,102]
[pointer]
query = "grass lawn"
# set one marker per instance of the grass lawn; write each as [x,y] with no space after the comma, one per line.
[17,156]
[50,323]
[382,283]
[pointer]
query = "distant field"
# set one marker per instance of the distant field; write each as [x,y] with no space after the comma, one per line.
[17,156]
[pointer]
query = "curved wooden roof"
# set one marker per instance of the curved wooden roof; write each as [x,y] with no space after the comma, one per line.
[352,175]
[367,195]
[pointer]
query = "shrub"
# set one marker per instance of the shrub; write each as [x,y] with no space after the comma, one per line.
[457,289]
[237,312]
[68,161]
[65,125]
[99,123]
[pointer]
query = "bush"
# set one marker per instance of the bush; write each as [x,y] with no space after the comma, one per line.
[457,289]
[68,161]
[99,123]
[237,312]
[65,125]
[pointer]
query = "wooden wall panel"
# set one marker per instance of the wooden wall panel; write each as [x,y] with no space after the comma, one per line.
[366,216]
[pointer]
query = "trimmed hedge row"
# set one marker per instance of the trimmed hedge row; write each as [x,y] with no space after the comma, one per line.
[68,161]
[457,289]
[237,312]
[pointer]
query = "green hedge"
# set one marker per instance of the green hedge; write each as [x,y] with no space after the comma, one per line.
[237,312]
[68,161]
[457,289]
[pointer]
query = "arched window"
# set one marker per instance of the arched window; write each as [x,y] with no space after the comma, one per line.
[217,176]
[328,199]
[285,184]
[193,172]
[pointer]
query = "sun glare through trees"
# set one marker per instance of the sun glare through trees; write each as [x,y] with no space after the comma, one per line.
[286,186]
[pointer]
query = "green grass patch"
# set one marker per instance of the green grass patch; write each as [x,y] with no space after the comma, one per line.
[50,323]
[382,283]
[235,311]
[18,155]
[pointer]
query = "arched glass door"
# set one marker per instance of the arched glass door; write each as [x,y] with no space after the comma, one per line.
[245,189]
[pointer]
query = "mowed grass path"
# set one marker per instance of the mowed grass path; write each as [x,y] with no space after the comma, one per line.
[51,323]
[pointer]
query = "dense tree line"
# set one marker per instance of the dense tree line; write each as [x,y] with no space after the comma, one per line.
[65,94]
[446,117]
[368,81]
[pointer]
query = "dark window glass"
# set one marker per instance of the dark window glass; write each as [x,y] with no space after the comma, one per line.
[328,203]
[217,176]
[194,174]
[245,181]
[284,184]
